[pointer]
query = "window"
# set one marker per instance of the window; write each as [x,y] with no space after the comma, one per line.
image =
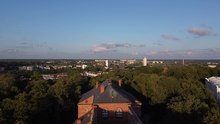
[119,113]
[104,113]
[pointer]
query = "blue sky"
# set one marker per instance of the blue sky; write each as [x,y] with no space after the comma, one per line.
[114,29]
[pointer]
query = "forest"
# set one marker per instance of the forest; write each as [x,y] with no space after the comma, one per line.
[170,95]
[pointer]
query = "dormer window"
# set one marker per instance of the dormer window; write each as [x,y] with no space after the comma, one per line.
[104,113]
[119,113]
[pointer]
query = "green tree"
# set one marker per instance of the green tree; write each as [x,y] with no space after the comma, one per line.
[22,109]
[7,85]
[7,109]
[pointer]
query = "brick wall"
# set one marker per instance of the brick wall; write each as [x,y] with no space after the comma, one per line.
[83,109]
[85,106]
[111,108]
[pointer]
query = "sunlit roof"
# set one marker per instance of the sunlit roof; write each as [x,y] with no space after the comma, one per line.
[214,80]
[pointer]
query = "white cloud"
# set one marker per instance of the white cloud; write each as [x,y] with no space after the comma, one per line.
[106,47]
[199,31]
[100,49]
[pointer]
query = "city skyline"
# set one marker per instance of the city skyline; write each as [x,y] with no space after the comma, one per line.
[109,29]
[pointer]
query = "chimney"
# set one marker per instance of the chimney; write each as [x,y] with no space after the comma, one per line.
[102,88]
[119,83]
[96,84]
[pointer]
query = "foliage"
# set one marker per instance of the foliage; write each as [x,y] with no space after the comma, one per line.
[7,85]
[41,101]
[170,94]
[177,95]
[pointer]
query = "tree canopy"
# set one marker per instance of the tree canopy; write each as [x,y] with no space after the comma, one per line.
[170,95]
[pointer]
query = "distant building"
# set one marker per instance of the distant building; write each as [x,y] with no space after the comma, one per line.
[100,60]
[129,61]
[28,68]
[212,66]
[78,66]
[145,61]
[47,67]
[106,63]
[48,77]
[81,66]
[90,74]
[157,62]
[108,103]
[22,68]
[84,66]
[49,62]
[213,83]
[52,76]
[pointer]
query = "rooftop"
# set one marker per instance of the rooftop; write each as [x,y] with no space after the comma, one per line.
[112,94]
[214,80]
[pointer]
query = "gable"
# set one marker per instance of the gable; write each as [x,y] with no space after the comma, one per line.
[88,100]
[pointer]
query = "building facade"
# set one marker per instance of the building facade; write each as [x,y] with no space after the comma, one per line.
[145,61]
[108,103]
[213,83]
[107,64]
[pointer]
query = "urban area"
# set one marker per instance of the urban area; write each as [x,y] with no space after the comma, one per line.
[109,61]
[110,91]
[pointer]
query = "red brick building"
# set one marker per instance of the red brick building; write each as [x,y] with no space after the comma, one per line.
[108,103]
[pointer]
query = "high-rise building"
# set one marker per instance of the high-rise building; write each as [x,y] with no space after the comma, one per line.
[145,61]
[106,63]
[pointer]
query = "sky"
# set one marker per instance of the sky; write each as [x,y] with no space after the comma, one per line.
[109,29]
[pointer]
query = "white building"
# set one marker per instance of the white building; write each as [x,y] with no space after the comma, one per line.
[48,77]
[157,62]
[212,66]
[213,83]
[84,66]
[28,68]
[145,61]
[106,63]
[91,74]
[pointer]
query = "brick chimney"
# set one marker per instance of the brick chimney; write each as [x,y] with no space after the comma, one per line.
[102,88]
[96,84]
[119,83]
